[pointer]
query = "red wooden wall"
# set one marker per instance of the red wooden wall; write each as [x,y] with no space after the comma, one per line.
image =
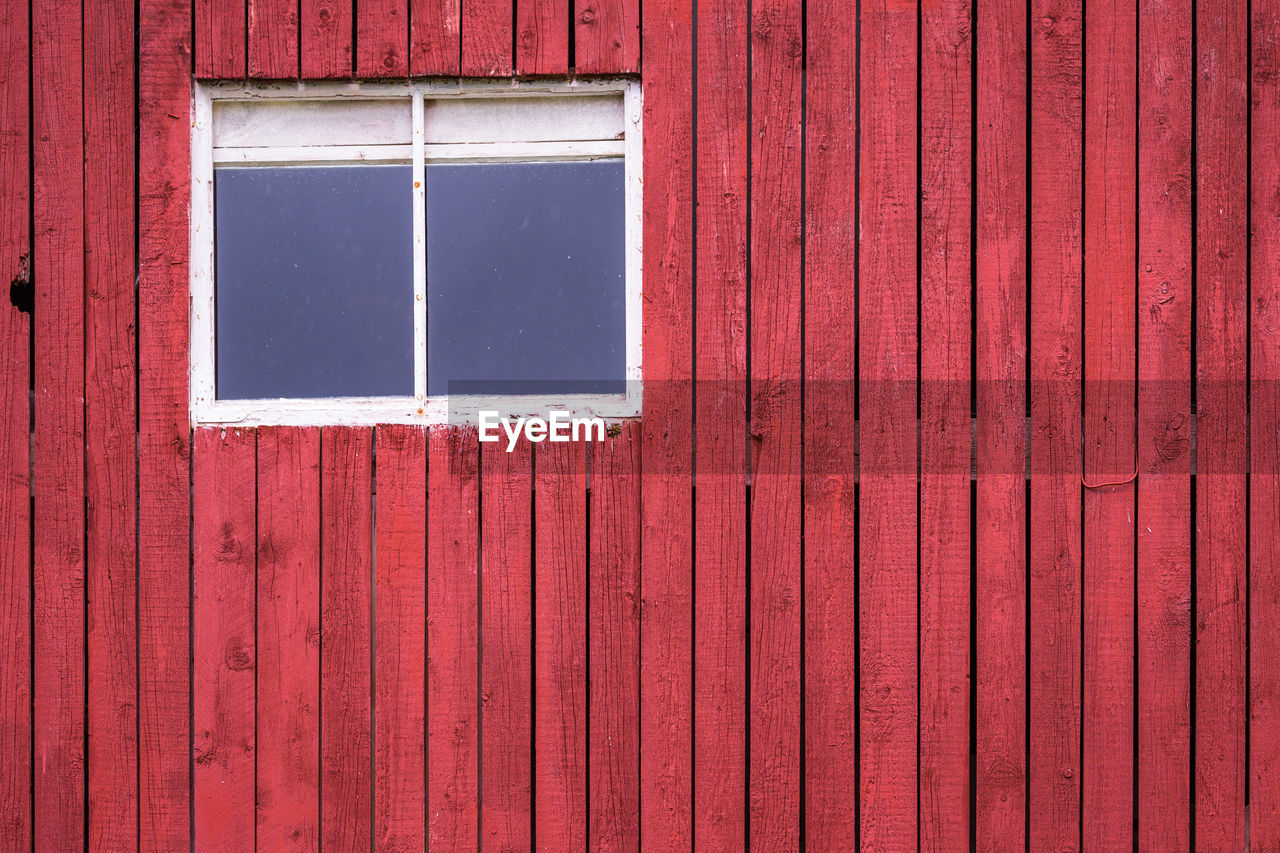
[953,518]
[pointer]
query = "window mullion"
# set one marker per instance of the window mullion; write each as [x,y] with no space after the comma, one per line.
[419,251]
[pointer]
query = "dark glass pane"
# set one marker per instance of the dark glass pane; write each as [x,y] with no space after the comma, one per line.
[314,281]
[525,278]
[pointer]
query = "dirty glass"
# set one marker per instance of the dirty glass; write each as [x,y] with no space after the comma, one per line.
[525,278]
[314,281]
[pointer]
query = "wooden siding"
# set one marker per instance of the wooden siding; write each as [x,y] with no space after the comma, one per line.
[951,520]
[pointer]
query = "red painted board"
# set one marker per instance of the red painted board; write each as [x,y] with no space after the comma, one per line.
[1164,427]
[666,634]
[1110,430]
[720,443]
[542,36]
[346,631]
[220,39]
[57,449]
[613,623]
[830,445]
[164,506]
[887,369]
[1000,365]
[434,37]
[946,311]
[486,38]
[776,292]
[382,38]
[288,639]
[326,28]
[15,431]
[506,646]
[453,528]
[560,628]
[1222,423]
[273,39]
[400,638]
[224,648]
[110,429]
[606,36]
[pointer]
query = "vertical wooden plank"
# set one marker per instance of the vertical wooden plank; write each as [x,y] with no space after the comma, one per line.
[224,638]
[400,639]
[110,427]
[542,36]
[1055,366]
[1264,447]
[58,702]
[382,38]
[560,648]
[486,38]
[1164,425]
[946,199]
[506,646]
[288,639]
[887,382]
[220,39]
[666,635]
[775,296]
[453,703]
[346,549]
[720,406]
[1000,354]
[15,430]
[606,36]
[614,646]
[1222,318]
[273,39]
[164,505]
[326,28]
[434,37]
[1107,559]
[830,442]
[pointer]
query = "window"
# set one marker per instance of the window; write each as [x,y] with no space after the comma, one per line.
[415,253]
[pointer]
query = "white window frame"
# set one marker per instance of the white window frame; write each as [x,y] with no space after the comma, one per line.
[207,409]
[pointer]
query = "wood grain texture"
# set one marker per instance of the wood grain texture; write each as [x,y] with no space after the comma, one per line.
[560,604]
[346,631]
[720,443]
[486,38]
[613,623]
[1222,423]
[273,39]
[1000,438]
[164,431]
[946,311]
[542,36]
[453,702]
[326,30]
[400,640]
[666,638]
[1165,284]
[220,39]
[224,638]
[15,429]
[110,429]
[57,448]
[1107,557]
[434,37]
[382,38]
[830,445]
[506,647]
[288,678]
[606,36]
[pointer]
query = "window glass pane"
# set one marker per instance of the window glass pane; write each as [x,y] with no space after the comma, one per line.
[314,281]
[525,278]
